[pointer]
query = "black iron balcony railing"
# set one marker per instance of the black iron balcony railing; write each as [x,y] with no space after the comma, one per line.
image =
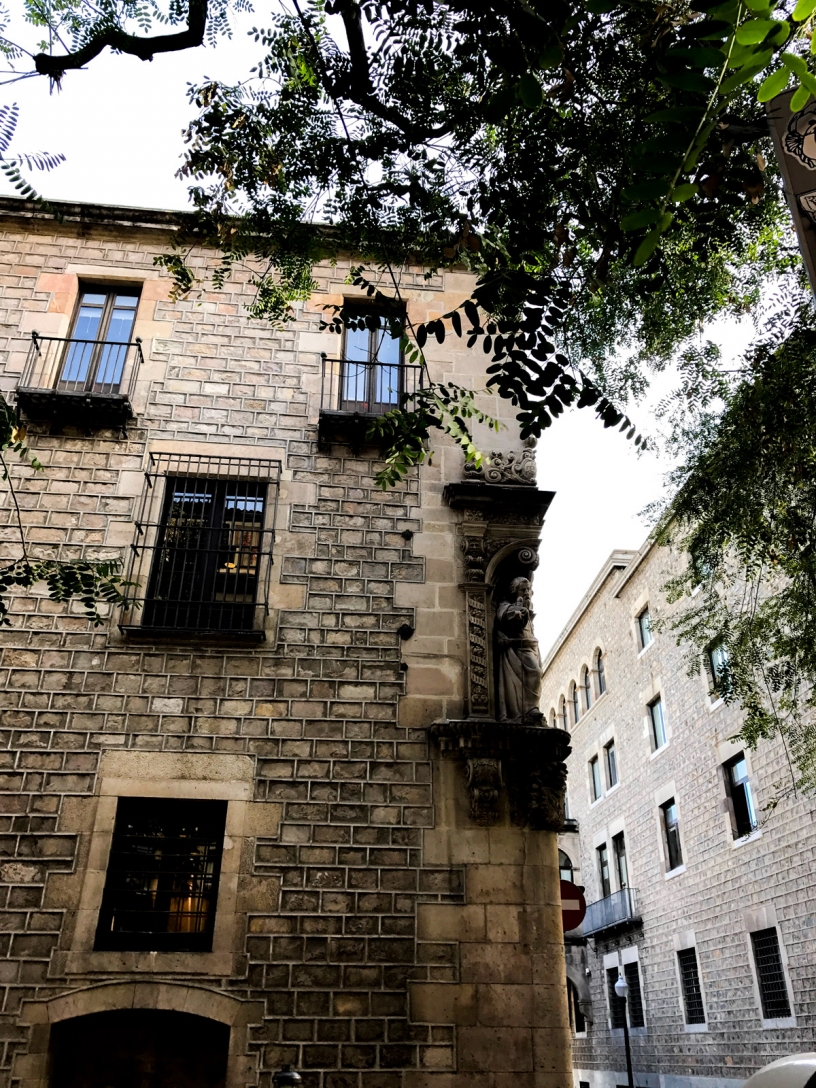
[91,381]
[618,910]
[353,392]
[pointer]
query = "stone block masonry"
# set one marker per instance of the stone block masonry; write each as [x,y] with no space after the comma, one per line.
[367,932]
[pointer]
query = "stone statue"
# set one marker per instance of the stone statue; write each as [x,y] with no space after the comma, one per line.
[518,664]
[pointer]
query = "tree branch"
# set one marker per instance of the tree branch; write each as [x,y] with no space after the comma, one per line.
[145,48]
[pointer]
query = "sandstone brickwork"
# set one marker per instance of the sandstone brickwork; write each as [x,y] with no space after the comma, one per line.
[368,932]
[726,887]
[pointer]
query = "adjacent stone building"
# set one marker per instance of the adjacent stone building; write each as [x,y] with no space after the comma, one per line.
[266,815]
[700,891]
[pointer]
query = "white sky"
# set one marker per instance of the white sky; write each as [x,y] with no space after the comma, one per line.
[119,124]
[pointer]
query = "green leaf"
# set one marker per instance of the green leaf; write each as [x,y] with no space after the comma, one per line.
[646,190]
[700,56]
[728,11]
[759,7]
[800,99]
[688,81]
[755,31]
[681,193]
[803,10]
[644,218]
[531,91]
[797,64]
[647,247]
[743,76]
[774,84]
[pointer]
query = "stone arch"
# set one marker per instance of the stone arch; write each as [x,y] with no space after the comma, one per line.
[32,1068]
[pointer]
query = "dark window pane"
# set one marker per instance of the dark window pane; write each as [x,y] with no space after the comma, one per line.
[162,880]
[658,723]
[635,998]
[645,628]
[692,994]
[672,832]
[601,675]
[742,802]
[773,990]
[595,778]
[95,356]
[603,871]
[565,866]
[611,764]
[619,847]
[617,1006]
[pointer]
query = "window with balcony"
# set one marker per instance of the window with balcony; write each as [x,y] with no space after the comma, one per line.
[741,801]
[203,548]
[671,835]
[658,723]
[611,760]
[595,786]
[88,376]
[601,671]
[773,987]
[162,879]
[619,850]
[644,624]
[603,871]
[690,981]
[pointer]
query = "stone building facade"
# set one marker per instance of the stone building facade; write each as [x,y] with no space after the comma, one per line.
[696,857]
[271,821]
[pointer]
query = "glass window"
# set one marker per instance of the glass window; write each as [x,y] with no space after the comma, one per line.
[162,879]
[562,713]
[658,721]
[577,1019]
[773,989]
[595,778]
[718,668]
[576,705]
[603,871]
[671,830]
[617,1005]
[372,370]
[611,757]
[100,337]
[565,866]
[743,814]
[553,719]
[692,993]
[205,570]
[599,665]
[635,998]
[587,684]
[619,850]
[645,628]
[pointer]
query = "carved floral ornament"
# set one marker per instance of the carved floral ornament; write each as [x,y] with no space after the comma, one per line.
[517,467]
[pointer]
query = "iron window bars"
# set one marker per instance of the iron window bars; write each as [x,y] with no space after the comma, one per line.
[366,388]
[773,990]
[692,992]
[617,1005]
[635,1000]
[162,880]
[202,554]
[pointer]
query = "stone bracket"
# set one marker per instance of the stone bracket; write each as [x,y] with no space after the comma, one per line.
[526,760]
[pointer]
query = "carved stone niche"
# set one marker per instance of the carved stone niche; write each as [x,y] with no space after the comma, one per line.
[499,539]
[526,760]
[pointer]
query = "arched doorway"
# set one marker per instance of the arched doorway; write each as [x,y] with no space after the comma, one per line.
[139,1048]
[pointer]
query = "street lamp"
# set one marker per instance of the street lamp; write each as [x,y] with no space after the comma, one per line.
[622,990]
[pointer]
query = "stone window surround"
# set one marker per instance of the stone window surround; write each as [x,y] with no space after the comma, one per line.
[765,917]
[682,941]
[170,775]
[666,792]
[647,697]
[639,607]
[32,1068]
[726,750]
[621,959]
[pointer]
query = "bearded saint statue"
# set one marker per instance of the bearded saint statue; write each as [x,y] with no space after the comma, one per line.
[517,659]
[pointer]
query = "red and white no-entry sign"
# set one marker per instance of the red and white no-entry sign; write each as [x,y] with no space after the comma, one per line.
[573,905]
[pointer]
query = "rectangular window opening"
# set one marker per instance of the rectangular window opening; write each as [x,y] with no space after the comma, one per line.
[603,871]
[738,785]
[595,778]
[644,622]
[611,757]
[671,830]
[617,1006]
[773,989]
[635,998]
[692,992]
[619,850]
[162,880]
[658,723]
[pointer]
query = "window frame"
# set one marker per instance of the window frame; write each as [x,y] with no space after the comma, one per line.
[611,764]
[586,685]
[600,670]
[657,701]
[575,700]
[93,359]
[645,633]
[619,855]
[371,364]
[711,668]
[596,791]
[563,714]
[742,811]
[686,997]
[781,1019]
[604,882]
[674,857]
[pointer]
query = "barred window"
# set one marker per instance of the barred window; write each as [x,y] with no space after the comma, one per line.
[635,999]
[203,548]
[162,879]
[617,1005]
[692,993]
[773,990]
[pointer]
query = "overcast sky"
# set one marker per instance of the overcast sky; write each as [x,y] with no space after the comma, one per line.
[119,124]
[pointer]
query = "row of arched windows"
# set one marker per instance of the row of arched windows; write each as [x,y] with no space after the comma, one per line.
[581,695]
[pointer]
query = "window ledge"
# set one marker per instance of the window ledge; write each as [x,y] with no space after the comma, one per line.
[656,751]
[645,650]
[715,705]
[781,1022]
[138,633]
[737,843]
[612,789]
[675,872]
[695,1029]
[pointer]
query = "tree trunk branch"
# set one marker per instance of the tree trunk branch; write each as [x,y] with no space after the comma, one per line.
[145,48]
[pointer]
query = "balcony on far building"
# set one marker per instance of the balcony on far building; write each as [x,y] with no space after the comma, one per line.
[353,392]
[89,383]
[616,911]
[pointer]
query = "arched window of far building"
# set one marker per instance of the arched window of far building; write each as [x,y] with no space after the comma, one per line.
[599,668]
[553,719]
[562,713]
[576,703]
[565,866]
[586,684]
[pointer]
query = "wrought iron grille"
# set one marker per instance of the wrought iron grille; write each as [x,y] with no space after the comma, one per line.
[692,992]
[97,367]
[635,999]
[773,990]
[618,909]
[366,388]
[202,553]
[162,879]
[617,1006]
